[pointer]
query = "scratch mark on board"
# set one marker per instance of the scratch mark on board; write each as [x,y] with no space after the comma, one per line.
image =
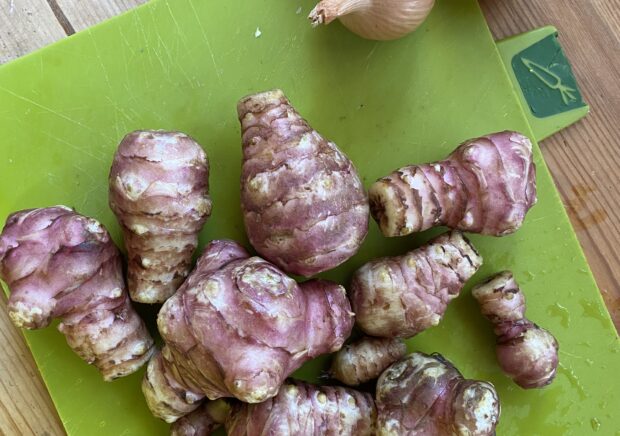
[206,38]
[52,111]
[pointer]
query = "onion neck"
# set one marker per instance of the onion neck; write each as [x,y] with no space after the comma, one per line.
[328,10]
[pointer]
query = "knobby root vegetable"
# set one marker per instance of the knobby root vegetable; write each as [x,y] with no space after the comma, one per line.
[374,19]
[159,191]
[59,264]
[427,395]
[305,409]
[365,359]
[238,327]
[526,352]
[404,295]
[202,421]
[486,186]
[304,205]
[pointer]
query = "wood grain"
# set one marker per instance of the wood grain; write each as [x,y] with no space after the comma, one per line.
[583,158]
[26,25]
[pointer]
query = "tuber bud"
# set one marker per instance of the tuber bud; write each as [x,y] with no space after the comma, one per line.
[427,395]
[365,359]
[304,205]
[159,191]
[404,295]
[59,264]
[202,421]
[526,352]
[486,186]
[238,327]
[308,410]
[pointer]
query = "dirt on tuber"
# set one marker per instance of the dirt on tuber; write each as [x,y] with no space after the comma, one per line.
[427,395]
[365,359]
[159,191]
[404,295]
[304,205]
[238,327]
[305,409]
[487,185]
[526,352]
[59,264]
[202,421]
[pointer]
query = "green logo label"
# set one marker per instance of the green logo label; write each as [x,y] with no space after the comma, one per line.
[546,78]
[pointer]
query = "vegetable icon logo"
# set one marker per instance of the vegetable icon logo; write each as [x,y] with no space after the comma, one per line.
[552,80]
[546,79]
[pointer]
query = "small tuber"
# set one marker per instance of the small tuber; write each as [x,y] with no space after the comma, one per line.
[427,395]
[238,327]
[159,191]
[365,359]
[308,410]
[404,295]
[486,186]
[59,264]
[526,352]
[202,421]
[304,205]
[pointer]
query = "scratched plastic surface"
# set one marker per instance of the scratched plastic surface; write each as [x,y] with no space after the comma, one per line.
[183,65]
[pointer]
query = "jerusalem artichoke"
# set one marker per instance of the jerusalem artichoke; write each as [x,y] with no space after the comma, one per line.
[237,328]
[202,421]
[308,410]
[404,295]
[427,395]
[304,205]
[365,359]
[487,185]
[59,264]
[159,191]
[526,352]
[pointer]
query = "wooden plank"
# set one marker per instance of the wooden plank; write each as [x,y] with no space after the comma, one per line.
[25,405]
[26,25]
[85,13]
[584,158]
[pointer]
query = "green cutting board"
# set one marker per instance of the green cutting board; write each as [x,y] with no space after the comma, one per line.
[183,64]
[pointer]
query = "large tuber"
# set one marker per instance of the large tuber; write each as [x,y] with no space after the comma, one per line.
[486,186]
[427,395]
[304,205]
[404,295]
[308,410]
[238,327]
[202,421]
[526,352]
[59,264]
[159,191]
[365,359]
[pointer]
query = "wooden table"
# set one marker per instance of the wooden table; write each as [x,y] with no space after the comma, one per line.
[590,35]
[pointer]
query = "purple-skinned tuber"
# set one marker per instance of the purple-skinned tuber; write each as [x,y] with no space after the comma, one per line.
[427,395]
[59,264]
[404,295]
[487,185]
[159,191]
[526,352]
[304,205]
[305,409]
[202,421]
[238,327]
